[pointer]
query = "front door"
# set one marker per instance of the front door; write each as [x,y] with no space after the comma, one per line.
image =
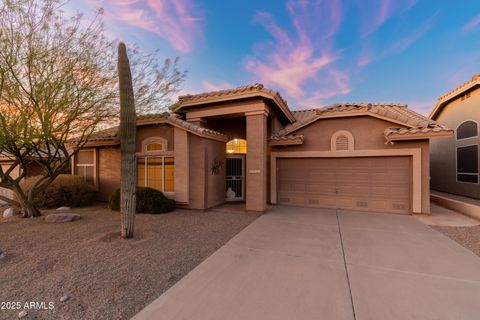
[235,177]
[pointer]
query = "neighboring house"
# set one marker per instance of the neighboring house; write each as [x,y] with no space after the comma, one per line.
[245,144]
[455,161]
[32,170]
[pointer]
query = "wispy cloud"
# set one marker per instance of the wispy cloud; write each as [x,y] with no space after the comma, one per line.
[303,57]
[472,24]
[366,55]
[338,84]
[210,86]
[405,42]
[177,21]
[375,13]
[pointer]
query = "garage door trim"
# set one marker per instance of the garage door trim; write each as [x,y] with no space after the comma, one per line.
[415,153]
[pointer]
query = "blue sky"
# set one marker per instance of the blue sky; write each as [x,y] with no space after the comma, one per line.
[314,52]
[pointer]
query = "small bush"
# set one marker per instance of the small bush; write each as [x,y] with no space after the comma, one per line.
[65,190]
[148,201]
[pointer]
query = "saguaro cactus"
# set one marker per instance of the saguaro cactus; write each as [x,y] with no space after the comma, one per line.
[127,135]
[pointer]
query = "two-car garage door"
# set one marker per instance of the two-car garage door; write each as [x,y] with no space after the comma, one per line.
[380,184]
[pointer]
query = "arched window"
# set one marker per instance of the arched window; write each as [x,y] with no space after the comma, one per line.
[467,129]
[342,141]
[154,146]
[156,165]
[238,146]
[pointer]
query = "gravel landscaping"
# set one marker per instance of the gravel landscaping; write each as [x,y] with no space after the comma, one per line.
[85,271]
[469,237]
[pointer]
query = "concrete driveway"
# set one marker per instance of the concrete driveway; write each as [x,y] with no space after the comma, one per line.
[302,263]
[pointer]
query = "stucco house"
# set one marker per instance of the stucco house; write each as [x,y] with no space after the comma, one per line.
[245,144]
[455,160]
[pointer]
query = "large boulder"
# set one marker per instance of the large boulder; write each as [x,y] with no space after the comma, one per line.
[63,209]
[9,212]
[62,217]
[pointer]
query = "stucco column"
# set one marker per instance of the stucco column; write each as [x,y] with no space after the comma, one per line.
[256,166]
[181,175]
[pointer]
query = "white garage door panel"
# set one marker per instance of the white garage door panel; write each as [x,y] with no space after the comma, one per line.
[367,183]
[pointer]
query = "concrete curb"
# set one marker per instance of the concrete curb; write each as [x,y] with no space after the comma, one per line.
[468,209]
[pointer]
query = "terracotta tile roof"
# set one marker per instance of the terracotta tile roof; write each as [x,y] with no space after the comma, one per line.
[106,134]
[433,130]
[251,90]
[291,139]
[445,98]
[461,88]
[195,128]
[410,120]
[255,87]
[302,118]
[391,111]
[111,134]
[302,115]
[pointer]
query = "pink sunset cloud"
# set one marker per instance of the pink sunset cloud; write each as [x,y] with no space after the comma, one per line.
[303,58]
[472,24]
[210,86]
[338,84]
[176,21]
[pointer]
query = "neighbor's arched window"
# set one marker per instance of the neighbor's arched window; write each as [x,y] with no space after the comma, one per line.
[467,129]
[342,141]
[238,146]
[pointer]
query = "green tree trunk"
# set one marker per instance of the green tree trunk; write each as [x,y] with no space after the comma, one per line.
[127,135]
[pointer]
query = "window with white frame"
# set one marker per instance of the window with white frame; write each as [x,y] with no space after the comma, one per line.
[156,172]
[84,165]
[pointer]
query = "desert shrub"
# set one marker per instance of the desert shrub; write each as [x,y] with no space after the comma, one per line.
[149,200]
[65,190]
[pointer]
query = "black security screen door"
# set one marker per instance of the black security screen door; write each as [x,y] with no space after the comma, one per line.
[235,177]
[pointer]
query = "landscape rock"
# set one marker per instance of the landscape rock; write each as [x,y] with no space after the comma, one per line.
[9,212]
[2,255]
[22,314]
[64,298]
[64,209]
[62,217]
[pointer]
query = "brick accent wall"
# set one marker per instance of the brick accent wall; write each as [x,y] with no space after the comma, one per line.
[108,171]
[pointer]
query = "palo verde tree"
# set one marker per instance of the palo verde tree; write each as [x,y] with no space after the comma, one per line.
[127,135]
[58,85]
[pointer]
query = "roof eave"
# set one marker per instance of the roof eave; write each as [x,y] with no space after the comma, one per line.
[344,115]
[98,143]
[418,136]
[244,95]
[447,98]
[288,142]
